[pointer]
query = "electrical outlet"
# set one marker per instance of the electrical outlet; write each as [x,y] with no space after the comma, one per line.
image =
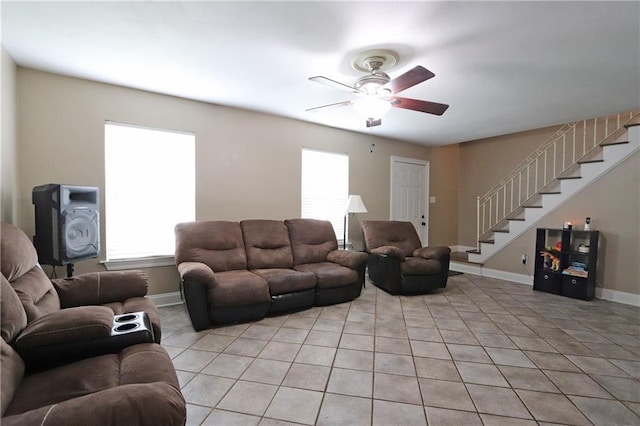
[524,259]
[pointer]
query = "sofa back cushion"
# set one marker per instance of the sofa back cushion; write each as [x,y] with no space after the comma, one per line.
[267,244]
[378,233]
[19,265]
[11,374]
[13,318]
[311,240]
[217,244]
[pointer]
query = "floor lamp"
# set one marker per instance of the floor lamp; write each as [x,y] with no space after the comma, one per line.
[355,205]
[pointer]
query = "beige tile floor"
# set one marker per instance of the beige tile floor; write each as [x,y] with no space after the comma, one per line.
[480,352]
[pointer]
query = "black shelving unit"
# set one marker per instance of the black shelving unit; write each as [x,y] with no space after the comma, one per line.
[569,279]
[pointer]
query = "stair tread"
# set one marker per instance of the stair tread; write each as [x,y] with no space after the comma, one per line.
[532,207]
[474,251]
[568,177]
[488,241]
[613,143]
[505,231]
[549,192]
[590,161]
[520,219]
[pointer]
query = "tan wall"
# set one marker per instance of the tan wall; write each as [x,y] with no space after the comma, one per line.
[444,185]
[613,203]
[8,159]
[247,165]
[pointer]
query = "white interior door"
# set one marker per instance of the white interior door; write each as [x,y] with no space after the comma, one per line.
[409,194]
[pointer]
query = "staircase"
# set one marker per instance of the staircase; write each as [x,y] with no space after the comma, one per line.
[574,157]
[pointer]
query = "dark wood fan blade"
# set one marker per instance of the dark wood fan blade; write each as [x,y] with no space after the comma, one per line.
[332,83]
[420,106]
[371,122]
[337,104]
[409,79]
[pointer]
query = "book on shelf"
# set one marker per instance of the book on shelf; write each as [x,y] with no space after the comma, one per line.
[576,272]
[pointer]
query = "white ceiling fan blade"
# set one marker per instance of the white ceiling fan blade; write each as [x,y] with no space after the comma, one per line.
[337,104]
[332,83]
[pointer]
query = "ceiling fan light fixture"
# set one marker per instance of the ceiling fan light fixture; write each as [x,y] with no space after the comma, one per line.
[371,108]
[372,83]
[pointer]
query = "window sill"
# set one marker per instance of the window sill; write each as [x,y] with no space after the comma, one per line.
[142,262]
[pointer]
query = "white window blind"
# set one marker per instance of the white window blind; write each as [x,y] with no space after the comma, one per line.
[325,187]
[149,188]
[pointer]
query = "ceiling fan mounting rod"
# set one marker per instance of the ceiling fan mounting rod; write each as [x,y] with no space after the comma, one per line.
[374,63]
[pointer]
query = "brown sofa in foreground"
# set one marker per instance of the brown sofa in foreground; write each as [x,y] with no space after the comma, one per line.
[50,373]
[69,303]
[398,263]
[242,271]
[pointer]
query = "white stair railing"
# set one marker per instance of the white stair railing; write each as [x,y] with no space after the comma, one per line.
[558,155]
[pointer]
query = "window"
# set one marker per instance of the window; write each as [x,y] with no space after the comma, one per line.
[149,187]
[325,187]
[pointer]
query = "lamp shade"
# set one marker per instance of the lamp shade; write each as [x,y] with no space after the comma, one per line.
[355,205]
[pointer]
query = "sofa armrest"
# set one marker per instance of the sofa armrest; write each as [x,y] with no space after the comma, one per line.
[436,253]
[389,251]
[66,326]
[101,287]
[198,272]
[197,278]
[349,259]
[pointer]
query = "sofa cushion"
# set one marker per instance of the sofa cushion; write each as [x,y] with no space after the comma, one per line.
[12,373]
[329,275]
[282,281]
[379,233]
[311,240]
[13,318]
[217,244]
[91,375]
[267,244]
[420,266]
[238,288]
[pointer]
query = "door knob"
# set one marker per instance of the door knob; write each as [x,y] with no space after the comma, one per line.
[424,224]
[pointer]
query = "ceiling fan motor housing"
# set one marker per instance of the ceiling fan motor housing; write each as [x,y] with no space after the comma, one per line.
[371,84]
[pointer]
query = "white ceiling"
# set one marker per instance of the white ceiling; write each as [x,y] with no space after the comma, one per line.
[502,67]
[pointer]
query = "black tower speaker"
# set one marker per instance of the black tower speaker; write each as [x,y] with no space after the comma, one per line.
[67,223]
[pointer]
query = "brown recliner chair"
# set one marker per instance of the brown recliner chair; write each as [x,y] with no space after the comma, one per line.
[132,384]
[86,303]
[398,263]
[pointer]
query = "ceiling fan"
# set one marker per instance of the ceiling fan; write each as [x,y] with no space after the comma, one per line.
[377,91]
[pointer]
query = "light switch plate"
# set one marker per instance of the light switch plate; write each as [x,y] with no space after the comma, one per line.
[432,200]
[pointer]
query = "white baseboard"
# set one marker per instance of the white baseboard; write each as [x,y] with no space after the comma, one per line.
[508,276]
[618,296]
[601,293]
[166,299]
[465,267]
[490,273]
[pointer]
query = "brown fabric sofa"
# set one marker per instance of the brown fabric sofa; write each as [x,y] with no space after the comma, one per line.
[85,303]
[398,264]
[241,271]
[136,384]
